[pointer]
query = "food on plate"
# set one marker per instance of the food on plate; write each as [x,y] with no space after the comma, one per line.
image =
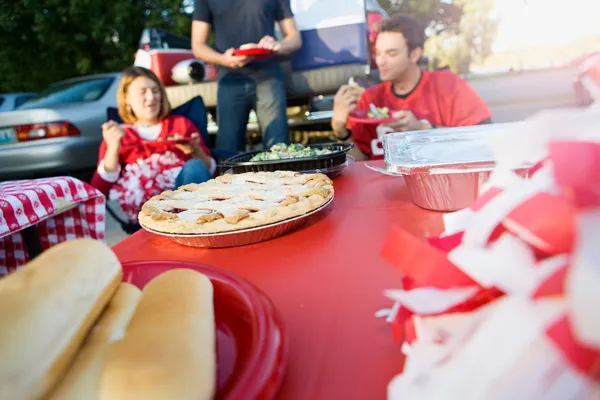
[248,46]
[82,381]
[354,84]
[169,351]
[378,112]
[46,311]
[281,151]
[234,202]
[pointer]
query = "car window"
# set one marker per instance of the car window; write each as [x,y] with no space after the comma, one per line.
[20,100]
[70,92]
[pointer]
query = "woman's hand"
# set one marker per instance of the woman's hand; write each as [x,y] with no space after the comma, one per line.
[189,148]
[112,134]
[194,149]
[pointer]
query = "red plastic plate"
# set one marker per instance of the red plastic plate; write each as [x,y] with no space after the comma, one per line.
[362,117]
[165,144]
[253,52]
[251,344]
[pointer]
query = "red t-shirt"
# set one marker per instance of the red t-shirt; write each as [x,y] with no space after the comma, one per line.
[441,97]
[133,147]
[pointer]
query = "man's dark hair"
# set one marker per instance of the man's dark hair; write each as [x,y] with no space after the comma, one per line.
[410,27]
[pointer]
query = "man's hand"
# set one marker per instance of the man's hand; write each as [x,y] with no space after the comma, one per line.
[345,102]
[406,121]
[269,43]
[230,61]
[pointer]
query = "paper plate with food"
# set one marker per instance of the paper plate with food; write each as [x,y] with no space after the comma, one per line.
[79,325]
[373,116]
[252,50]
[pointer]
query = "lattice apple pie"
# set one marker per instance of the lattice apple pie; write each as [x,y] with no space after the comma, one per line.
[234,202]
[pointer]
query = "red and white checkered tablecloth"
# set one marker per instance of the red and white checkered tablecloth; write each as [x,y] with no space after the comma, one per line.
[63,208]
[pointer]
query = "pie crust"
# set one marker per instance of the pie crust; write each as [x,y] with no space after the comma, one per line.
[233,202]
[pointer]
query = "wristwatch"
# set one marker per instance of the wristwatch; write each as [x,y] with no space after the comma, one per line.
[348,135]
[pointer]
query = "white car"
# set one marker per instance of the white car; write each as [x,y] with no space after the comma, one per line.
[10,101]
[59,131]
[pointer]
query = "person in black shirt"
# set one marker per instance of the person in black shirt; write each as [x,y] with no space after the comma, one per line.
[246,83]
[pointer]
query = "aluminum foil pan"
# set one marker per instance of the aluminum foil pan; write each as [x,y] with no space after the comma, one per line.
[243,237]
[444,169]
[440,150]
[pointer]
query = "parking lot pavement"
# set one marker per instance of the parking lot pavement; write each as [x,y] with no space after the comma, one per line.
[114,233]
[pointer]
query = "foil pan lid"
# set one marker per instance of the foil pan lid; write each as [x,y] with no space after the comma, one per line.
[445,150]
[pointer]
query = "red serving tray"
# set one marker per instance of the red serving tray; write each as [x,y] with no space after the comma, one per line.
[253,52]
[362,117]
[252,346]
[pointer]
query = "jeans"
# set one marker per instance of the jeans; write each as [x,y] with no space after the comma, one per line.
[193,171]
[237,95]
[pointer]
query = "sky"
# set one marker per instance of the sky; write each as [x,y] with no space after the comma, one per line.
[541,22]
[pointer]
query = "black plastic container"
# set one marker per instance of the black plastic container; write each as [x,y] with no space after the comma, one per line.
[241,163]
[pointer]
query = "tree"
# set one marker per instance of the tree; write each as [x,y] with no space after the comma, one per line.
[44,41]
[460,31]
[472,42]
[477,28]
[437,15]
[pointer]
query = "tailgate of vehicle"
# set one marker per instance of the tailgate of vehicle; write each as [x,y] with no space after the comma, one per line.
[300,85]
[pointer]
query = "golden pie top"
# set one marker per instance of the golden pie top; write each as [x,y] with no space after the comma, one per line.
[234,202]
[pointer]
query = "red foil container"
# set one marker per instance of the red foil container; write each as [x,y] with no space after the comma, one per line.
[243,237]
[444,169]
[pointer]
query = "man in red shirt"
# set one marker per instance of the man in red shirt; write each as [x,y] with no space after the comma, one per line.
[417,99]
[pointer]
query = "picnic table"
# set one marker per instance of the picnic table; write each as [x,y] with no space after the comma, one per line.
[327,280]
[39,213]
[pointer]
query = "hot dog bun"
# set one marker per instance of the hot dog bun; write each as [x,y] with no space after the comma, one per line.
[47,309]
[169,351]
[82,381]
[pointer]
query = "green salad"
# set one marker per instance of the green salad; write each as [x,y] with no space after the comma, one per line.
[378,112]
[282,151]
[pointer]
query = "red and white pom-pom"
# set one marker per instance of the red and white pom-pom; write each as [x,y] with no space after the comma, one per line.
[505,303]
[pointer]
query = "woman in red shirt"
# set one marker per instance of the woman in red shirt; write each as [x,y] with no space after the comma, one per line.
[153,150]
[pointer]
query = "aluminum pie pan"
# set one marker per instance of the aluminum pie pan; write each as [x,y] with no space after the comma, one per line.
[242,237]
